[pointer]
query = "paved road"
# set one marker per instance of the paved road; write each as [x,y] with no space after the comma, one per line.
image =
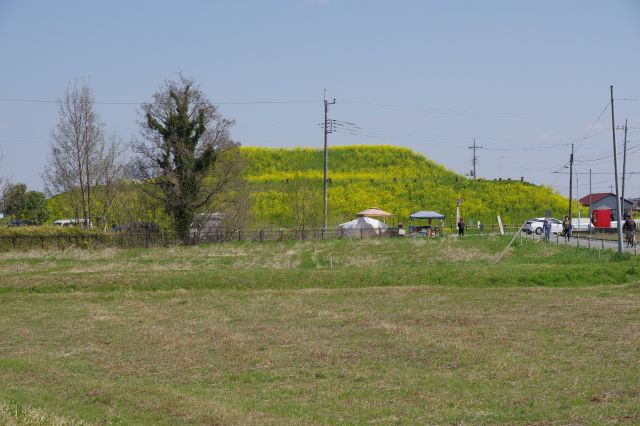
[593,242]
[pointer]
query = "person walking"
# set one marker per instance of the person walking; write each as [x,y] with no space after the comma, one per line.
[629,229]
[461,227]
[566,228]
[546,226]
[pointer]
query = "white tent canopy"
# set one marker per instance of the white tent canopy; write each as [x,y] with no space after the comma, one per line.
[361,224]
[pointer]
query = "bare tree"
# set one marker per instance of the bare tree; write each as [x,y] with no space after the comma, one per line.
[77,144]
[183,156]
[111,173]
[231,205]
[237,210]
[304,202]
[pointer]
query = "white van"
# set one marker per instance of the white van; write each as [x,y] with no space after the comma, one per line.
[72,222]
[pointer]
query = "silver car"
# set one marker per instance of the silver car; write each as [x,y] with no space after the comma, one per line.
[535,225]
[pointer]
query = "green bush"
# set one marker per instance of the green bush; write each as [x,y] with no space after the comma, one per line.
[48,237]
[47,230]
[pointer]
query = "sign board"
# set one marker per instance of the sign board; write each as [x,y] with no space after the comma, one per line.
[500,225]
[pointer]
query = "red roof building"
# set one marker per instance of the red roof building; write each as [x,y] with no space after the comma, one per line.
[604,200]
[594,198]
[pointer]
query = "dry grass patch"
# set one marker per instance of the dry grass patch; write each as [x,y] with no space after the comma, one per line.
[414,354]
[17,415]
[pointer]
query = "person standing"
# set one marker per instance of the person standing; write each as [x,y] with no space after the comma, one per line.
[566,228]
[461,227]
[546,226]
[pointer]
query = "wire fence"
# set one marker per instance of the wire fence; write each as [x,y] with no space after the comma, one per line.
[596,239]
[146,238]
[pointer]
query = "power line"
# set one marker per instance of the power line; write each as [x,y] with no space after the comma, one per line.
[631,150]
[524,115]
[594,173]
[55,101]
[588,135]
[443,140]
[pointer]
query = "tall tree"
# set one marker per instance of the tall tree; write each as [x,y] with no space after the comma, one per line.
[77,147]
[35,207]
[80,159]
[181,155]
[111,175]
[13,200]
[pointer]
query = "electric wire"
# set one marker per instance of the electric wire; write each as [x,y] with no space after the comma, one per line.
[258,102]
[486,114]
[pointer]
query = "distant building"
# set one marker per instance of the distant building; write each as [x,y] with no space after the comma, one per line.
[605,200]
[207,227]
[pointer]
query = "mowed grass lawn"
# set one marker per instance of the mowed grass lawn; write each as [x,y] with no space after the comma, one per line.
[356,332]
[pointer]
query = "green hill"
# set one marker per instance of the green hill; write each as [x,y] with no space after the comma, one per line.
[286,187]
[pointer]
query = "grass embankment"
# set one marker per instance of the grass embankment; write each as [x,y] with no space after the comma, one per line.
[308,333]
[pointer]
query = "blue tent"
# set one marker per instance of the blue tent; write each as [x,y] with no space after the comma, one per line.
[422,215]
[426,215]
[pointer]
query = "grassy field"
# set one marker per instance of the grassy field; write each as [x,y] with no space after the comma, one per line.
[357,332]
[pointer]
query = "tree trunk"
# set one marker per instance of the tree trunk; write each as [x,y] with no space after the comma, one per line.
[183,217]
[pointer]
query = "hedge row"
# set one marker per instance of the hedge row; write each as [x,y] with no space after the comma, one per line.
[51,237]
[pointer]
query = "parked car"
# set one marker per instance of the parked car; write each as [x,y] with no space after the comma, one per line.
[72,222]
[536,224]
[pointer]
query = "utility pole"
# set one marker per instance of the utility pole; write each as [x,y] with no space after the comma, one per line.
[624,161]
[328,128]
[571,187]
[578,196]
[474,162]
[615,173]
[590,205]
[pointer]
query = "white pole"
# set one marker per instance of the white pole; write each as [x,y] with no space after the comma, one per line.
[578,196]
[615,174]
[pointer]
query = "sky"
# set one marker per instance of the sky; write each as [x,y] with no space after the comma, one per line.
[525,79]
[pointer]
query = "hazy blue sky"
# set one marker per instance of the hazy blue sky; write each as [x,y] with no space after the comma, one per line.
[525,77]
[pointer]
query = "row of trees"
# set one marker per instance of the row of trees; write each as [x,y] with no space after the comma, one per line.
[20,204]
[183,161]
